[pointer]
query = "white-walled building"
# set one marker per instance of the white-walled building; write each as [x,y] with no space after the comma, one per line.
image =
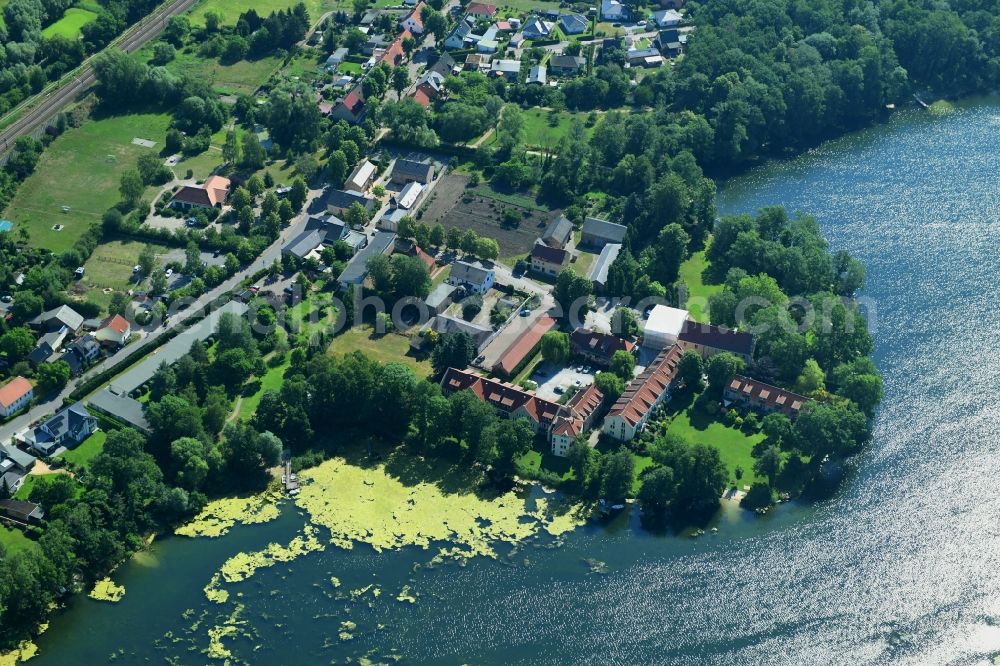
[663,327]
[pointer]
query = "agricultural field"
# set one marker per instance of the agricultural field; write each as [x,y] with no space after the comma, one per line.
[453,205]
[80,171]
[388,348]
[70,24]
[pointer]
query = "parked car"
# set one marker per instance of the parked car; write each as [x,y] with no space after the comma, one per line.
[136,268]
[168,272]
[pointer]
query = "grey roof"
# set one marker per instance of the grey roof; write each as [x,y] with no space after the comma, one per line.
[537,74]
[506,66]
[65,422]
[609,231]
[419,169]
[304,243]
[637,54]
[599,271]
[41,353]
[121,407]
[395,215]
[468,273]
[567,62]
[20,510]
[440,295]
[20,458]
[355,239]
[664,16]
[357,268]
[443,66]
[142,372]
[558,230]
[11,478]
[63,315]
[573,23]
[344,199]
[445,324]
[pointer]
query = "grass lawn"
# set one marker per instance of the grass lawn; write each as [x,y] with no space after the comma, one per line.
[242,77]
[584,260]
[110,267]
[516,7]
[540,133]
[14,541]
[69,25]
[87,451]
[33,480]
[698,292]
[540,458]
[270,381]
[81,170]
[230,10]
[351,68]
[390,347]
[696,426]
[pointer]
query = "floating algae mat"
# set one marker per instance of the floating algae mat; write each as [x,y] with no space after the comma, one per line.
[220,515]
[370,506]
[243,565]
[106,590]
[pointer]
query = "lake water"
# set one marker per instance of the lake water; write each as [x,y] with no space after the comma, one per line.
[900,566]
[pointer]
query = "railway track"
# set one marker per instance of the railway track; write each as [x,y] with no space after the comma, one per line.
[51,102]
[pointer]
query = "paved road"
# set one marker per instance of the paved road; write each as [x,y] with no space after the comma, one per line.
[54,100]
[273,252]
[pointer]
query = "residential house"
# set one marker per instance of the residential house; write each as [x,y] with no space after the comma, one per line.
[583,409]
[406,171]
[509,69]
[667,18]
[58,318]
[566,65]
[537,75]
[47,346]
[549,261]
[320,232]
[334,59]
[573,24]
[445,66]
[648,57]
[337,202]
[663,327]
[524,347]
[351,108]
[487,45]
[409,197]
[481,10]
[536,28]
[708,340]
[598,274]
[428,88]
[644,394]
[362,177]
[356,270]
[613,11]
[509,401]
[210,194]
[114,331]
[598,233]
[80,353]
[14,465]
[26,513]
[746,393]
[670,42]
[473,276]
[461,37]
[414,22]
[15,395]
[68,427]
[596,347]
[395,52]
[558,232]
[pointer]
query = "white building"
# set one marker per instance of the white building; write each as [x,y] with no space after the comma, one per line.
[663,327]
[475,277]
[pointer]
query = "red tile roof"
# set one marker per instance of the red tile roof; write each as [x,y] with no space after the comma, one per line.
[524,344]
[418,19]
[765,396]
[421,97]
[481,9]
[394,54]
[640,396]
[118,324]
[13,391]
[502,396]
[586,402]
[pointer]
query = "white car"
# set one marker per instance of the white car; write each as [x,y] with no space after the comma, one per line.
[168,272]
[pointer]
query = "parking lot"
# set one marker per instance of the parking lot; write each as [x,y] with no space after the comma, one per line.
[553,380]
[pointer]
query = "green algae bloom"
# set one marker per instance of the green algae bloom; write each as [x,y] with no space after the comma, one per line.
[106,590]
